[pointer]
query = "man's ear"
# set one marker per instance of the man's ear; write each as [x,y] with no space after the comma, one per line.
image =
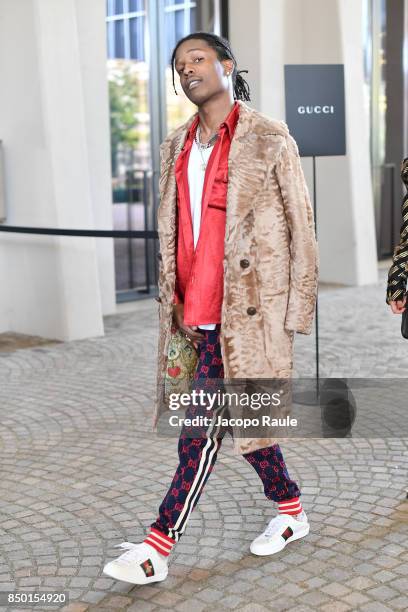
[228,66]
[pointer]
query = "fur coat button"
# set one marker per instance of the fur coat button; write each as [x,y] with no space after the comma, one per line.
[251,310]
[244,263]
[158,299]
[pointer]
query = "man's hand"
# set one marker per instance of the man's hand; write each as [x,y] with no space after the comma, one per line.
[398,306]
[191,333]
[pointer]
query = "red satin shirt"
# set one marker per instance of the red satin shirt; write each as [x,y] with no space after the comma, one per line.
[200,272]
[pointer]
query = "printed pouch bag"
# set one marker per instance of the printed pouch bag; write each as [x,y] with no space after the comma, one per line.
[182,359]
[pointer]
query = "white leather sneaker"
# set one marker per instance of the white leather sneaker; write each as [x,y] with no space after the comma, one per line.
[140,564]
[281,530]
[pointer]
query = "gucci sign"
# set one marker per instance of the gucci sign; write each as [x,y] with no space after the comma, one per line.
[315,108]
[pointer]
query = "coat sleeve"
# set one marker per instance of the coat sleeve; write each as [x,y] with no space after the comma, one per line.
[397,274]
[303,246]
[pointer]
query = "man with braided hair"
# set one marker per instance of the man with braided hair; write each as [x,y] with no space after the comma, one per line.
[238,276]
[397,275]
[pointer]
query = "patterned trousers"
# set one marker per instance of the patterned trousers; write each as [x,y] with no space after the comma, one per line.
[197,456]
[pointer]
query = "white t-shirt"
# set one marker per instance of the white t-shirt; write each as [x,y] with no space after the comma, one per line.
[195,183]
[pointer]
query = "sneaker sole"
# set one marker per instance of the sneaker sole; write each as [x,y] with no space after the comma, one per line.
[117,576]
[297,536]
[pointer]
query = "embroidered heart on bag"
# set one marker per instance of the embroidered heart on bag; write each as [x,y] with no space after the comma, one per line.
[174,372]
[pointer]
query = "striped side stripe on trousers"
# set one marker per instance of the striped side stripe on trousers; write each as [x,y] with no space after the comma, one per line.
[207,455]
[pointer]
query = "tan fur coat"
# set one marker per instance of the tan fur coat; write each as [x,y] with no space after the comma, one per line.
[269,223]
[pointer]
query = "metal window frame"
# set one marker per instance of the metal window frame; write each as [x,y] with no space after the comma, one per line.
[154,46]
[126,16]
[189,4]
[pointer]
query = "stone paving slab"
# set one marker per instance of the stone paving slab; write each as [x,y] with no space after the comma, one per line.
[81,472]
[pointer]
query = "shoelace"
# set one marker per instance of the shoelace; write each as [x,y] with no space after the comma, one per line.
[132,554]
[278,521]
[274,525]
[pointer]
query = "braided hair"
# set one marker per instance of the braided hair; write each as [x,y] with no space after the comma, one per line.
[223,49]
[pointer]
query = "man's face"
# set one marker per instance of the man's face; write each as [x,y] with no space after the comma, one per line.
[201,73]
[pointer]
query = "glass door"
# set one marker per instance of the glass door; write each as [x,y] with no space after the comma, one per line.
[386,60]
[182,18]
[375,33]
[128,78]
[141,35]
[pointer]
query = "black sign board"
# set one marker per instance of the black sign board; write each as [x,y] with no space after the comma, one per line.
[315,108]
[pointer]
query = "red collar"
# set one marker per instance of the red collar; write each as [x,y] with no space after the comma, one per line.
[229,122]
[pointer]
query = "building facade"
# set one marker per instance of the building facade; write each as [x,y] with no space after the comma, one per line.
[87,98]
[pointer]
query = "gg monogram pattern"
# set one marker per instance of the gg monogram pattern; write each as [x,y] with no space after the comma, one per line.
[197,455]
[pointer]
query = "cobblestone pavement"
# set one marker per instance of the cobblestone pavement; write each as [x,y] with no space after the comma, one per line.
[81,472]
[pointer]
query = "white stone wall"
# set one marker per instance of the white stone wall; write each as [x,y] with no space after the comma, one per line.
[278,32]
[54,123]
